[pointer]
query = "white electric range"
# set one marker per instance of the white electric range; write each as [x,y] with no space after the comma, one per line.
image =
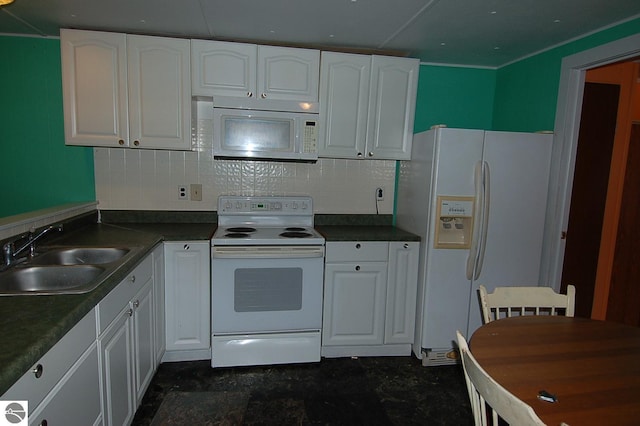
[266,282]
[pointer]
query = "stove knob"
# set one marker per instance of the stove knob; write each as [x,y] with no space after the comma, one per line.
[238,205]
[294,205]
[227,205]
[304,205]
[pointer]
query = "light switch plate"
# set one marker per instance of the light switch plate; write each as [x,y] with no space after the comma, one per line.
[196,192]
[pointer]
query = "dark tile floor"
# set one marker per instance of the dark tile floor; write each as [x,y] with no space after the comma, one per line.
[343,391]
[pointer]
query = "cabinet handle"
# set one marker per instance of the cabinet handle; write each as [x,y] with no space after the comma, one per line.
[120,142]
[249,94]
[130,312]
[357,267]
[133,278]
[44,422]
[136,143]
[38,371]
[359,155]
[263,96]
[406,245]
[186,247]
[136,304]
[358,246]
[370,154]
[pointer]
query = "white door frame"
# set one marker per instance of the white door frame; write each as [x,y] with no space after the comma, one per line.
[567,125]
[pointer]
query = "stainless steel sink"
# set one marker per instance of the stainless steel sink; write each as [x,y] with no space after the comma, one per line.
[50,279]
[80,256]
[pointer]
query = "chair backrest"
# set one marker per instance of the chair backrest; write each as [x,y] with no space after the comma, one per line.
[489,400]
[511,301]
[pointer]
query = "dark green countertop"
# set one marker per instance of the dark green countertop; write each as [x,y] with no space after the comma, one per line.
[31,325]
[365,233]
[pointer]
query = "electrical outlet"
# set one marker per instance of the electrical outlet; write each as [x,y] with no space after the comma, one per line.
[196,191]
[379,194]
[182,192]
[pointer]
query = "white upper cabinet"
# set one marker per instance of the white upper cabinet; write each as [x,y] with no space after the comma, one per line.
[367,106]
[126,91]
[94,84]
[344,82]
[240,75]
[159,92]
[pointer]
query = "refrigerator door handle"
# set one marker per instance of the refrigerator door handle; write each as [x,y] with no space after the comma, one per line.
[477,216]
[486,202]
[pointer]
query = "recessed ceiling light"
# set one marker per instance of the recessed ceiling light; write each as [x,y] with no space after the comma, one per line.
[493,12]
[331,36]
[496,48]
[142,21]
[272,31]
[443,44]
[557,21]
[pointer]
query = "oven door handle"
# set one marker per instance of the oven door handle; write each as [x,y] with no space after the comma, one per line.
[266,252]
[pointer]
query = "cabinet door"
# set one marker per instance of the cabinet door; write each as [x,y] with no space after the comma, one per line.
[116,350]
[288,74]
[94,85]
[394,83]
[143,341]
[158,302]
[159,76]
[344,102]
[76,398]
[354,303]
[187,297]
[401,292]
[223,69]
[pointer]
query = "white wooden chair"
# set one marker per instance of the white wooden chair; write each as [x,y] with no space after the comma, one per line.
[489,400]
[512,301]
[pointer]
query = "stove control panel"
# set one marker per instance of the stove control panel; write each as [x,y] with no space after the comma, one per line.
[294,205]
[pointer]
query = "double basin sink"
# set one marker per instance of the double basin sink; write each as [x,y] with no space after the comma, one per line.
[63,270]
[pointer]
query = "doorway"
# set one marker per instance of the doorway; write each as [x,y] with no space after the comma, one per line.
[588,198]
[569,105]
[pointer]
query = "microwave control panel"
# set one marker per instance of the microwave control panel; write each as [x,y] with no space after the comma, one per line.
[310,136]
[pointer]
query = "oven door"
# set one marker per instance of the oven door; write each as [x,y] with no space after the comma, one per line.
[261,289]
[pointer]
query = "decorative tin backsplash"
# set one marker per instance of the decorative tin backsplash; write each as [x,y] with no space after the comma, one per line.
[136,179]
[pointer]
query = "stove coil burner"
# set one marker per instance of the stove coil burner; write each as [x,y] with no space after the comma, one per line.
[241,229]
[295,234]
[237,235]
[295,229]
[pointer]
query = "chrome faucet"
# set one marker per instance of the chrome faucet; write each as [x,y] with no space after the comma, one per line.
[9,252]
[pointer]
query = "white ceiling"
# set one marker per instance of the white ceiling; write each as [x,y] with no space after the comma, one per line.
[466,32]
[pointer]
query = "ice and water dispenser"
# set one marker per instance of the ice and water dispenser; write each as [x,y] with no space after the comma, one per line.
[454,222]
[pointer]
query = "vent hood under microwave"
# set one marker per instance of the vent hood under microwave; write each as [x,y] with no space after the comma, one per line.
[270,135]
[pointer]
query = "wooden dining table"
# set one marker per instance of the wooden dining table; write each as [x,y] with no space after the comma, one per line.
[592,367]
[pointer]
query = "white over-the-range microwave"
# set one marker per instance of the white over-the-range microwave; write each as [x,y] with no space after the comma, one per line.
[258,134]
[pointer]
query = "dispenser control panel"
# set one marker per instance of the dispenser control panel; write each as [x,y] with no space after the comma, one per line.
[454,222]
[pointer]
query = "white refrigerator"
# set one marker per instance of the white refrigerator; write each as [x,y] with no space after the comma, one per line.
[497,182]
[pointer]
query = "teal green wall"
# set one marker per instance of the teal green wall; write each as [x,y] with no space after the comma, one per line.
[38,170]
[527,91]
[455,96]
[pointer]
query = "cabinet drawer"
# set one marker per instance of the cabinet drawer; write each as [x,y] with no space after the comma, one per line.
[55,363]
[76,399]
[113,303]
[358,251]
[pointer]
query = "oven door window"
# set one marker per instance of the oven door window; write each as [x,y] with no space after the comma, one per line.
[267,289]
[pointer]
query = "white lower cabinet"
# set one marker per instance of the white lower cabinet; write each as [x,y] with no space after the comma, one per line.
[187,300]
[369,298]
[76,398]
[126,344]
[66,376]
